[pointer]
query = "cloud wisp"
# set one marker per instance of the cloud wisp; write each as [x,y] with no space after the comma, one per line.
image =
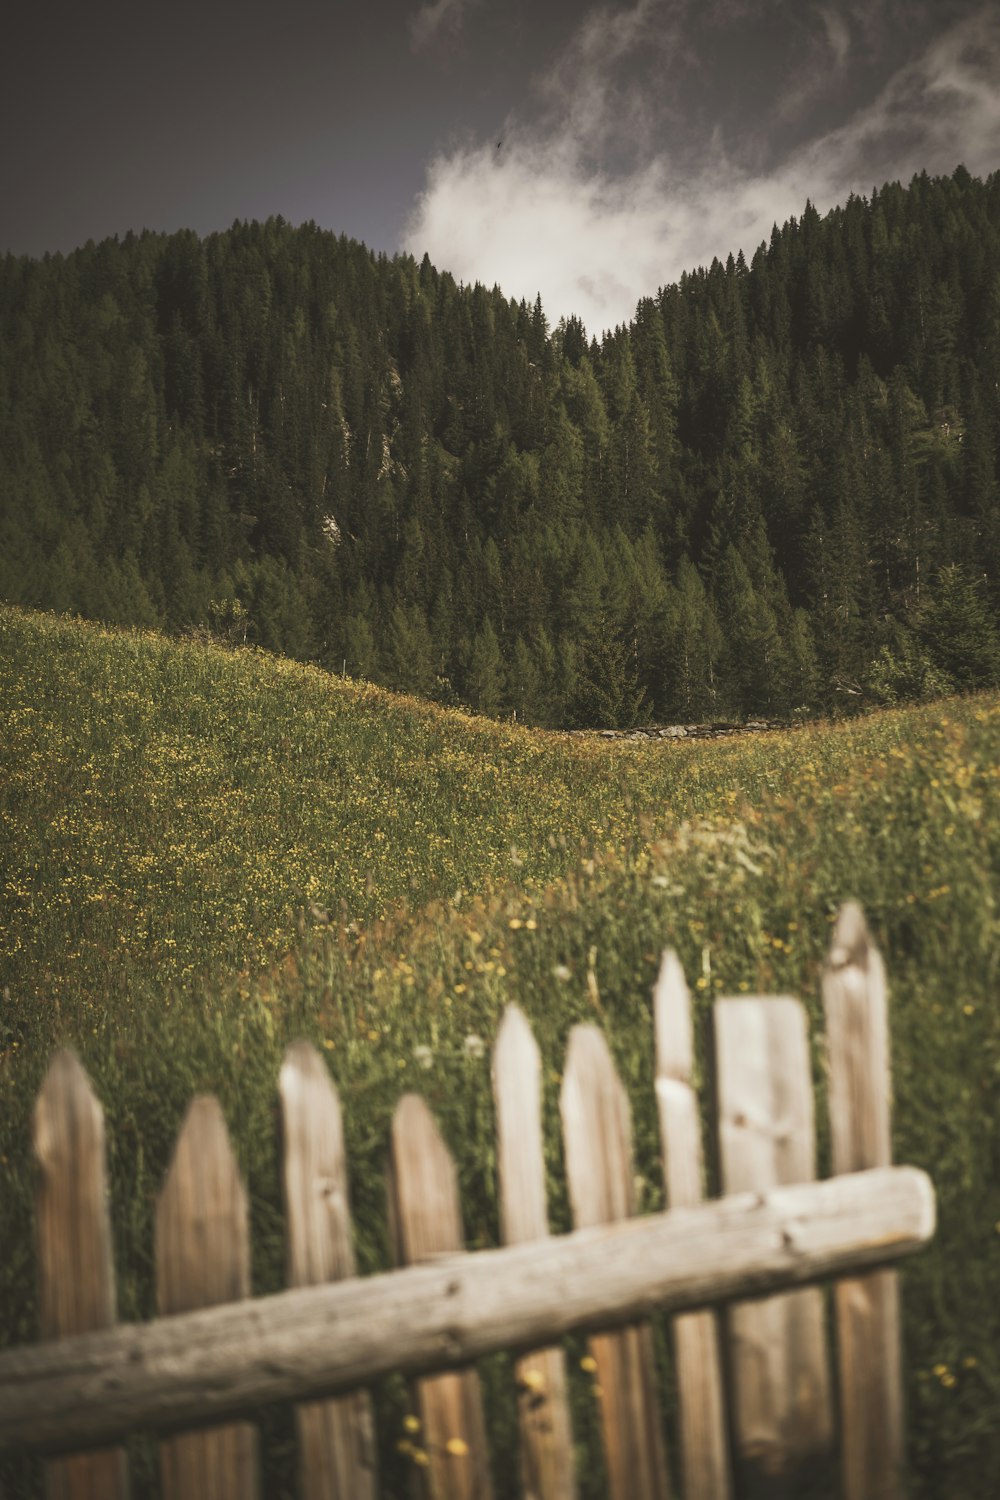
[608,193]
[435,19]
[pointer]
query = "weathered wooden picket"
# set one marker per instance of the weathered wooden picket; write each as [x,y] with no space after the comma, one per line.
[753,1381]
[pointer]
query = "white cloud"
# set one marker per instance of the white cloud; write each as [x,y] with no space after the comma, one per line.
[556,211]
[942,109]
[532,217]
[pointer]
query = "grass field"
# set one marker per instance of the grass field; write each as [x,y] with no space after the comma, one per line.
[178,822]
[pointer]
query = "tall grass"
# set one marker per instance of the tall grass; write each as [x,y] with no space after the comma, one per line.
[170,813]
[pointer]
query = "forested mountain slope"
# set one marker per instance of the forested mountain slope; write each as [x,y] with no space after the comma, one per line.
[776,489]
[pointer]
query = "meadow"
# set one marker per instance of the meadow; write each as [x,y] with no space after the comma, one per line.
[207,853]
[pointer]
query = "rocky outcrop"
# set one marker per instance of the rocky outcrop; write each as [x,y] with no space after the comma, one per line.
[717,731]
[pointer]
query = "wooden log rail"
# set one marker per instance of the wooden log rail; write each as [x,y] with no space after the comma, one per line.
[202,1368]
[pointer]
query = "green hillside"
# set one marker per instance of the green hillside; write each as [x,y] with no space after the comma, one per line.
[174,809]
[177,822]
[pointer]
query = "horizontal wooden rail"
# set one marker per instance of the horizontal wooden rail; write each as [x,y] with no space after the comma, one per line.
[205,1367]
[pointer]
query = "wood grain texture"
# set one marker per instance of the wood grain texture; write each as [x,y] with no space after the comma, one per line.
[700,1389]
[336,1438]
[782,1409]
[597,1133]
[547,1459]
[76,1272]
[206,1367]
[203,1259]
[427,1223]
[867,1308]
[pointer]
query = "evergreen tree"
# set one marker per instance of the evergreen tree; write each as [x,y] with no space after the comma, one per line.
[527,695]
[755,668]
[607,692]
[360,657]
[484,674]
[959,631]
[410,652]
[692,649]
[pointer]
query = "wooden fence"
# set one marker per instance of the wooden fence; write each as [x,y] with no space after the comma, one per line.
[754,1387]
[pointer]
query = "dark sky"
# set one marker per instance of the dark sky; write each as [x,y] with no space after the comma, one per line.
[119,116]
[639,138]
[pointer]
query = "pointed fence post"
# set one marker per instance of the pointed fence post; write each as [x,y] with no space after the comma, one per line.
[450,1447]
[76,1271]
[867,1307]
[782,1410]
[547,1460]
[700,1389]
[336,1438]
[203,1258]
[597,1132]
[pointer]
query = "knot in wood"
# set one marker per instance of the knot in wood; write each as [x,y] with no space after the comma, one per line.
[791,1237]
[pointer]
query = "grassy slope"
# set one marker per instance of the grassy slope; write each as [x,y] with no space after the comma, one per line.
[171,808]
[166,810]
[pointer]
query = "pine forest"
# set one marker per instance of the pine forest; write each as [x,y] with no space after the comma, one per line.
[774,493]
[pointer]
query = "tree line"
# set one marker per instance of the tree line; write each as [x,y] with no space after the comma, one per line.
[775,491]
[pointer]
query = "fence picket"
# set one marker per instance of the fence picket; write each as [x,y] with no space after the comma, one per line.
[700,1393]
[597,1131]
[427,1222]
[781,1386]
[336,1438]
[203,1258]
[867,1307]
[547,1464]
[208,1359]
[76,1271]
